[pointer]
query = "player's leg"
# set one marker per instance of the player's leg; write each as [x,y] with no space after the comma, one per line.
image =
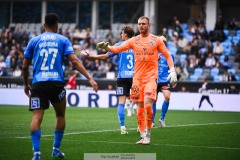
[208,100]
[128,106]
[149,98]
[137,96]
[60,108]
[140,121]
[35,128]
[122,91]
[200,103]
[154,108]
[121,114]
[57,96]
[37,105]
[165,105]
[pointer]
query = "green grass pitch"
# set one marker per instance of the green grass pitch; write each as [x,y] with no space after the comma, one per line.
[190,135]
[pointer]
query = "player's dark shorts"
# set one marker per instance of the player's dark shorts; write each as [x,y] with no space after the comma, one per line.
[123,86]
[163,86]
[44,92]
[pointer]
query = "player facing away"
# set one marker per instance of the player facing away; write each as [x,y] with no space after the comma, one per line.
[205,94]
[164,86]
[47,51]
[143,91]
[125,62]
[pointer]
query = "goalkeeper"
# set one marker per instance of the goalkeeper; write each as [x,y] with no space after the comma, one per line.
[144,88]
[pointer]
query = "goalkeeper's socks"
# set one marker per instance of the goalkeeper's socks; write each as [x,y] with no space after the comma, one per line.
[35,137]
[149,115]
[154,111]
[164,110]
[121,114]
[58,135]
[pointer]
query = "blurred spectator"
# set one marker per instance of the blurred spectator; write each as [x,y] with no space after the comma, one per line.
[194,62]
[165,33]
[210,46]
[232,27]
[233,90]
[194,45]
[231,77]
[219,25]
[218,49]
[183,75]
[181,45]
[228,76]
[2,63]
[234,48]
[72,82]
[202,61]
[17,72]
[210,61]
[226,64]
[178,27]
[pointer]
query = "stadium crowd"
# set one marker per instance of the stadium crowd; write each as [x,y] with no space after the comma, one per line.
[199,53]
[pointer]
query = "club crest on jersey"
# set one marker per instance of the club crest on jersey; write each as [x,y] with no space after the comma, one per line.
[119,90]
[35,103]
[152,43]
[135,89]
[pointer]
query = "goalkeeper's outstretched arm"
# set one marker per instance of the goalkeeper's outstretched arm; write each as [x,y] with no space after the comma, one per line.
[115,49]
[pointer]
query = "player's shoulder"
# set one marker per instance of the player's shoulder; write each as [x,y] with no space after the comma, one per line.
[119,43]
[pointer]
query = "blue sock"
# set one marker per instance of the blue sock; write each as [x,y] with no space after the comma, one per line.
[35,136]
[121,114]
[164,109]
[154,111]
[58,135]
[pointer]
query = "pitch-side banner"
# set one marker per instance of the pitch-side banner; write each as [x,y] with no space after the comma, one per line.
[107,99]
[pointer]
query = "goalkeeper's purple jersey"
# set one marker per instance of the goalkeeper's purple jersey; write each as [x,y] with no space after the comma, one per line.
[125,62]
[163,69]
[47,51]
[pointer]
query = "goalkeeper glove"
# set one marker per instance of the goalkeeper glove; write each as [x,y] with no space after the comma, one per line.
[103,45]
[172,77]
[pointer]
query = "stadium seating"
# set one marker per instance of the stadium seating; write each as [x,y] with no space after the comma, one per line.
[198,71]
[214,72]
[193,78]
[233,71]
[217,78]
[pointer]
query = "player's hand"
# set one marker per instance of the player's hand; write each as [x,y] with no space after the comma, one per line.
[27,90]
[172,77]
[93,84]
[103,45]
[85,54]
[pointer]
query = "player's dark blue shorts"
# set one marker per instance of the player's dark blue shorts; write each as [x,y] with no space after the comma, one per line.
[123,86]
[43,93]
[163,86]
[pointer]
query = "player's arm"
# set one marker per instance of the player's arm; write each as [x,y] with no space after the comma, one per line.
[100,57]
[25,73]
[115,49]
[163,49]
[79,66]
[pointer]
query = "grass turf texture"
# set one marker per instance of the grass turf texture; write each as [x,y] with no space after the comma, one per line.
[189,134]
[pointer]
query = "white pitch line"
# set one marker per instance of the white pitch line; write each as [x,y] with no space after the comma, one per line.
[169,145]
[101,131]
